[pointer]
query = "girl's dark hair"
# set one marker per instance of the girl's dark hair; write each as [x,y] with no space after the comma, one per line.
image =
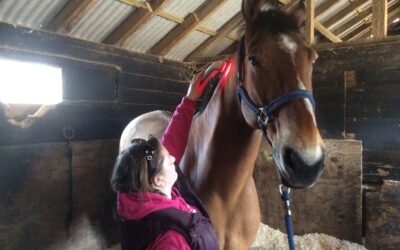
[136,166]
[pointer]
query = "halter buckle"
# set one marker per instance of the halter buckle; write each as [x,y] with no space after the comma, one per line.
[262,117]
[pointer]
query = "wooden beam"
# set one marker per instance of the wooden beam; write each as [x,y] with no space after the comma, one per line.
[310,9]
[134,22]
[392,9]
[344,12]
[357,31]
[391,17]
[289,8]
[379,18]
[324,7]
[326,33]
[181,31]
[366,13]
[223,32]
[70,15]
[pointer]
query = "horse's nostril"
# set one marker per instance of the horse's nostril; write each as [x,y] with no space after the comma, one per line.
[289,157]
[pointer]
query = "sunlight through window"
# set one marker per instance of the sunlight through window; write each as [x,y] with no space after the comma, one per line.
[29,83]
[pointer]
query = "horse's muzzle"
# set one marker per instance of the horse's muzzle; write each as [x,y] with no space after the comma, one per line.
[299,174]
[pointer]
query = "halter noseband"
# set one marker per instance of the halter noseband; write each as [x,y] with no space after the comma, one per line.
[263,113]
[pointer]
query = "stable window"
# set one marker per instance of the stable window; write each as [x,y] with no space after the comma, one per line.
[29,83]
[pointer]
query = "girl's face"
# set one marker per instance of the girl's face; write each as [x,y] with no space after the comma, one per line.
[168,172]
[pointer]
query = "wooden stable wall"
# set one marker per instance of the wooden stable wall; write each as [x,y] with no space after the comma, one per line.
[357,89]
[35,200]
[332,206]
[103,87]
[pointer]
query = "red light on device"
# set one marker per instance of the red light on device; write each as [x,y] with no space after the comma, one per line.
[225,69]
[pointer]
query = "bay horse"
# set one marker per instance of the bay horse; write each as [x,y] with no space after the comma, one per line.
[274,63]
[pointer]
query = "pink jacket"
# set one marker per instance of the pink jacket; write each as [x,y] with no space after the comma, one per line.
[136,206]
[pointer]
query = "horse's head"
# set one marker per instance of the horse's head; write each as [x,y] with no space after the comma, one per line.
[277,61]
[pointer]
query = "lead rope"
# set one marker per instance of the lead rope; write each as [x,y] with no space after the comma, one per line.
[285,196]
[69,133]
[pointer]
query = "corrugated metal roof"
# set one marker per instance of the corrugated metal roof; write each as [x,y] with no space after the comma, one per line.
[222,15]
[182,8]
[219,47]
[334,9]
[150,34]
[30,13]
[106,16]
[186,46]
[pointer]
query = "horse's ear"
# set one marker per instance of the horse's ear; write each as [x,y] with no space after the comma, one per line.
[251,9]
[300,13]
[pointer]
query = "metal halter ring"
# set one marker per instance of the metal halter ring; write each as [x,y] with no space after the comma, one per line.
[262,118]
[281,187]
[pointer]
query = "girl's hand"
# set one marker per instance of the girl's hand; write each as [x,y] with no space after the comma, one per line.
[198,83]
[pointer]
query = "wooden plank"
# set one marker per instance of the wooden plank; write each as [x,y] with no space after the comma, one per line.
[324,7]
[139,81]
[360,30]
[289,8]
[332,128]
[81,79]
[325,32]
[33,45]
[382,217]
[149,97]
[381,165]
[209,44]
[376,134]
[34,190]
[175,36]
[365,14]
[379,18]
[309,28]
[329,95]
[134,22]
[90,120]
[181,31]
[339,186]
[70,15]
[391,17]
[344,12]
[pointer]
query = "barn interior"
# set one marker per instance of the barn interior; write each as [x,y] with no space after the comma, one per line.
[123,58]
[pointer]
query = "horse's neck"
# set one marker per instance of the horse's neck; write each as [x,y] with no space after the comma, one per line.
[222,147]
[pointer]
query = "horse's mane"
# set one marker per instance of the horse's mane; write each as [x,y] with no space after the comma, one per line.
[274,21]
[208,93]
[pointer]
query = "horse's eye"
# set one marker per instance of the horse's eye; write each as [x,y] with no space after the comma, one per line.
[253,61]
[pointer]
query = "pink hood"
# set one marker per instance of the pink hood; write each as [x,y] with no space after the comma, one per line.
[137,205]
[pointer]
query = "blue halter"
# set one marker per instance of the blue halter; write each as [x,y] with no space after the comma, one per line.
[263,113]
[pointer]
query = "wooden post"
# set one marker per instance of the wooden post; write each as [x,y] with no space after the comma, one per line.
[379,18]
[310,7]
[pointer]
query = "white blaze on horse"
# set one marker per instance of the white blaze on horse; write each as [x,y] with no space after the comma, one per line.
[274,85]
